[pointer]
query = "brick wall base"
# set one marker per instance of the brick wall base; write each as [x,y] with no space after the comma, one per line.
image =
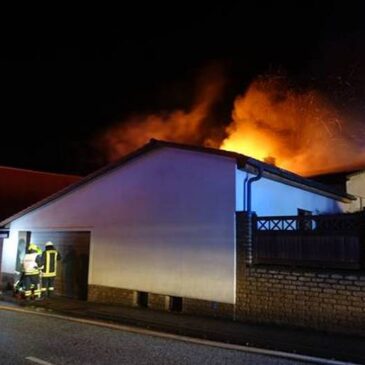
[109,295]
[318,299]
[207,308]
[158,301]
[7,281]
[326,300]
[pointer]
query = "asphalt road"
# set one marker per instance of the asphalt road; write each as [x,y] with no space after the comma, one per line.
[32,339]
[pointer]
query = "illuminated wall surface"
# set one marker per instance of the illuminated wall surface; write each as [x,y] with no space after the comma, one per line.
[275,198]
[162,223]
[165,222]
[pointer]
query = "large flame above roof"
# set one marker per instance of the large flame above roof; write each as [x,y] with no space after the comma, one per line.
[300,130]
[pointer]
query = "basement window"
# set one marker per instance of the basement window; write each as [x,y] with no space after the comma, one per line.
[142,299]
[176,304]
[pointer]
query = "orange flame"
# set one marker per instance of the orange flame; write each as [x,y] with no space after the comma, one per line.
[178,126]
[302,131]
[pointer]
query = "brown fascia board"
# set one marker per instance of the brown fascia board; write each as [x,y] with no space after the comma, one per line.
[241,159]
[346,174]
[243,162]
[354,173]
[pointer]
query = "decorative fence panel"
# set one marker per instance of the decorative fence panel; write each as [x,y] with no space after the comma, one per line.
[331,241]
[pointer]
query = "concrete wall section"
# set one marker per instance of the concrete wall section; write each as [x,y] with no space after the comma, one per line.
[356,187]
[274,198]
[163,223]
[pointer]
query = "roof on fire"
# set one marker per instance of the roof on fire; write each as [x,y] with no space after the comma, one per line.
[243,162]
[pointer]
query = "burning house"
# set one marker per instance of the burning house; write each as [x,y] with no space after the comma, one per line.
[169,226]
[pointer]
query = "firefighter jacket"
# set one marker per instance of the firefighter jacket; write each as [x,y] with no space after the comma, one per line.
[49,259]
[32,263]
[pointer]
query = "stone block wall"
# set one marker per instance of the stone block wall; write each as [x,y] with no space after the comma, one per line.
[158,301]
[108,295]
[319,299]
[105,294]
[7,281]
[207,308]
[329,300]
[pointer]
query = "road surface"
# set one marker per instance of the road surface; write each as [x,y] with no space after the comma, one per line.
[32,339]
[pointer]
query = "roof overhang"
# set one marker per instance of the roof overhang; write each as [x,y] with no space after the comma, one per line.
[286,177]
[243,163]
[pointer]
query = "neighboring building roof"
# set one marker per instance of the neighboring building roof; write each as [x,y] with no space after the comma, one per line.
[243,162]
[356,172]
[337,179]
[20,188]
[37,172]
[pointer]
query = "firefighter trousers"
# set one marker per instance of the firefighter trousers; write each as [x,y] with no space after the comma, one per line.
[31,285]
[48,285]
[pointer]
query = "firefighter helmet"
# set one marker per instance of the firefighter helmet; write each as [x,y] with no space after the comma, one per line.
[35,248]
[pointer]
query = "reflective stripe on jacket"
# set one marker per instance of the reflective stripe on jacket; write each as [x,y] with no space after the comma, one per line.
[30,264]
[50,258]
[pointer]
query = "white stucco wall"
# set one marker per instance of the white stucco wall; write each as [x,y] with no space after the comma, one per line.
[273,198]
[163,223]
[356,187]
[9,253]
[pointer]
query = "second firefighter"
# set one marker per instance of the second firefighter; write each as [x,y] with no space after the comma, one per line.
[50,256]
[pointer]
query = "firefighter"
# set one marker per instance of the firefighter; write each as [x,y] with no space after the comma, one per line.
[32,264]
[50,256]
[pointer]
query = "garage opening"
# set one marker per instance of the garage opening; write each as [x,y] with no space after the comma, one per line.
[73,268]
[1,253]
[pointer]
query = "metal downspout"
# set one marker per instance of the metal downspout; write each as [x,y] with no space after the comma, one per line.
[249,188]
[249,228]
[245,192]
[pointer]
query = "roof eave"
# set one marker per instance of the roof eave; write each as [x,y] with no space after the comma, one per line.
[287,177]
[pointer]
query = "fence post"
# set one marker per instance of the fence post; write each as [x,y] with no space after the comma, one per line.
[362,238]
[244,235]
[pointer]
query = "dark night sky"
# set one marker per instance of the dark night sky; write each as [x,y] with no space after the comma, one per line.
[64,78]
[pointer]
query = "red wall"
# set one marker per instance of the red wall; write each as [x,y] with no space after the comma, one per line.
[22,188]
[1,253]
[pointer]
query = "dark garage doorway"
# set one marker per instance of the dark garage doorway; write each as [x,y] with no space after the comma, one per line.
[73,269]
[1,254]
